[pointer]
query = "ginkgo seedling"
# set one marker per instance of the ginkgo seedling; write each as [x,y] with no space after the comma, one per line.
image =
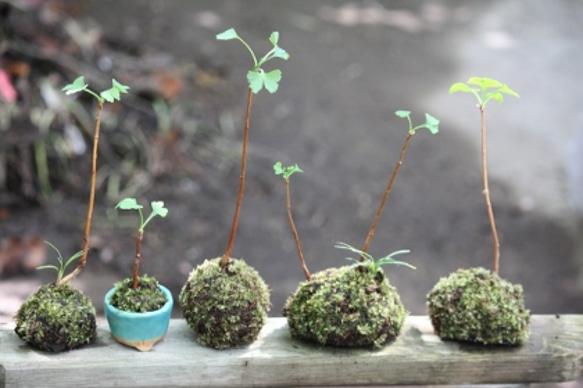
[486,89]
[63,264]
[432,125]
[286,172]
[158,209]
[109,95]
[258,79]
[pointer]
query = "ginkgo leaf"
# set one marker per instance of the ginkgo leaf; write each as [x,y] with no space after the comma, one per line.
[128,204]
[159,209]
[258,79]
[403,113]
[228,34]
[76,86]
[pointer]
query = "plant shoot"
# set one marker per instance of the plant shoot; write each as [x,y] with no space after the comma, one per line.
[286,173]
[370,261]
[110,95]
[432,125]
[62,263]
[158,209]
[257,79]
[486,89]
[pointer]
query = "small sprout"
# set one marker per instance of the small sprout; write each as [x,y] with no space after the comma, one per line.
[62,263]
[158,209]
[257,77]
[487,89]
[287,172]
[369,261]
[431,123]
[110,95]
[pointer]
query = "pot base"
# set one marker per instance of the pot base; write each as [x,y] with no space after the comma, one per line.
[142,346]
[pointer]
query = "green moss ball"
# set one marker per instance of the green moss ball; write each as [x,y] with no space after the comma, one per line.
[56,318]
[146,297]
[475,305]
[226,307]
[345,307]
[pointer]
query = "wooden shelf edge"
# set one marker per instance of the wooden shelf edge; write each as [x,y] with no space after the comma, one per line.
[553,353]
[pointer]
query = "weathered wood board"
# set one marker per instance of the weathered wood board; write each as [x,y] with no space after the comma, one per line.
[553,353]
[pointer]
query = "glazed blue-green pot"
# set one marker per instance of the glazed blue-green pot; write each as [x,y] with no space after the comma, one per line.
[139,330]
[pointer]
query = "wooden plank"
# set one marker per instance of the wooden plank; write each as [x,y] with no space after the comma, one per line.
[554,353]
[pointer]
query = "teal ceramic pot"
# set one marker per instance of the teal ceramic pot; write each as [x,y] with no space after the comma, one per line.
[139,330]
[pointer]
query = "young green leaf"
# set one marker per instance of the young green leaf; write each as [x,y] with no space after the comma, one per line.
[287,171]
[369,261]
[274,38]
[403,113]
[128,204]
[461,87]
[113,94]
[158,209]
[488,89]
[259,79]
[76,86]
[229,34]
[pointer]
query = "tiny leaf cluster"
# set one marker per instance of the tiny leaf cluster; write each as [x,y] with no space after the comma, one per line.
[63,264]
[431,123]
[286,171]
[369,260]
[487,89]
[257,77]
[158,209]
[110,95]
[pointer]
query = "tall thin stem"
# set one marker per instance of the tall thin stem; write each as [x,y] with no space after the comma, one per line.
[295,232]
[227,255]
[486,192]
[373,227]
[137,257]
[89,217]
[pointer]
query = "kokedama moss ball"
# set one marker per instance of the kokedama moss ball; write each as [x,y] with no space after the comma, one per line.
[345,307]
[476,305]
[56,318]
[146,297]
[225,307]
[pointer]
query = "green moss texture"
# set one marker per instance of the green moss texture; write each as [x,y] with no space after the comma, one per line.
[475,305]
[225,307]
[56,318]
[345,307]
[147,297]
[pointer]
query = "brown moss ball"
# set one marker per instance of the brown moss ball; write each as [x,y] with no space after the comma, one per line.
[475,305]
[345,307]
[225,307]
[56,318]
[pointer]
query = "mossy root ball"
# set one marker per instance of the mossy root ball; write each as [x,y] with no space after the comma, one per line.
[225,307]
[56,318]
[345,307]
[476,305]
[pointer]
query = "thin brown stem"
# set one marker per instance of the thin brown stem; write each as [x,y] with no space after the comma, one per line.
[373,227]
[137,257]
[227,255]
[88,219]
[295,232]
[486,192]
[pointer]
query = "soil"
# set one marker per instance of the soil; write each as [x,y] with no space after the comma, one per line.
[351,66]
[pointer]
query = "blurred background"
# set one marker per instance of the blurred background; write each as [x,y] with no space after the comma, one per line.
[177,138]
